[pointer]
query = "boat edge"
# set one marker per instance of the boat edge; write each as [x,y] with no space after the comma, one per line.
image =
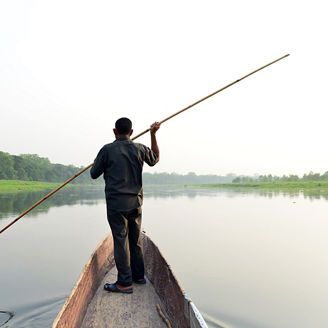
[103,262]
[191,313]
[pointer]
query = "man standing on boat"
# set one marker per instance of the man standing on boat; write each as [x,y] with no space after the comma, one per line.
[121,163]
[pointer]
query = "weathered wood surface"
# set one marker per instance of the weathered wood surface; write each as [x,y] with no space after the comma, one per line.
[166,284]
[96,308]
[124,310]
[101,261]
[180,309]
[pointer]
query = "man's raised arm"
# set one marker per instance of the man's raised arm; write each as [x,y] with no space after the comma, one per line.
[154,146]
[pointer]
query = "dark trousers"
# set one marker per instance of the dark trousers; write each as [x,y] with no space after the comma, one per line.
[128,253]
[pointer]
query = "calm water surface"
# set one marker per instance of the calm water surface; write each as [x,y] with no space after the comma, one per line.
[246,259]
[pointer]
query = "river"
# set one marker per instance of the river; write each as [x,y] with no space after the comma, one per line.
[247,259]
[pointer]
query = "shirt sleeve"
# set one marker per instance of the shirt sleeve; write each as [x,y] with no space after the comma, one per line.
[150,157]
[98,167]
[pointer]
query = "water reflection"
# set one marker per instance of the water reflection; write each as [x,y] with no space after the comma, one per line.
[262,257]
[17,203]
[192,192]
[12,204]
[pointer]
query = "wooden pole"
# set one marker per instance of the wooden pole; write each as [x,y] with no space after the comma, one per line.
[212,94]
[137,136]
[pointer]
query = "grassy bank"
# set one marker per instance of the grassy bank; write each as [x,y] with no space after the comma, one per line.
[318,186]
[16,186]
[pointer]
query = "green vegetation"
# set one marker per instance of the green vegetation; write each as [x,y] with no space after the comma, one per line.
[320,187]
[286,178]
[267,185]
[14,186]
[31,167]
[18,186]
[36,173]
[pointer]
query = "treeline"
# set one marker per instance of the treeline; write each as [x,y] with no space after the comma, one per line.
[273,178]
[31,167]
[190,178]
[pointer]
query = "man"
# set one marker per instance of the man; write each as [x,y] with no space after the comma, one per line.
[121,162]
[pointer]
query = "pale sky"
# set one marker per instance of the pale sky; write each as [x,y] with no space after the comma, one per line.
[69,69]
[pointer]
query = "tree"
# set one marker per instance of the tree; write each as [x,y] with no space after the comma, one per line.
[6,166]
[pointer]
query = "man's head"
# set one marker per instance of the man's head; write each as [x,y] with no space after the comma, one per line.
[123,127]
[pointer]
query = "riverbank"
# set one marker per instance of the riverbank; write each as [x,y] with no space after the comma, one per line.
[318,186]
[17,186]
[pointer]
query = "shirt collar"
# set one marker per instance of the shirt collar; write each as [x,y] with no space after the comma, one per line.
[123,138]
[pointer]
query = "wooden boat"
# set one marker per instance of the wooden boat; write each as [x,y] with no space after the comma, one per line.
[161,302]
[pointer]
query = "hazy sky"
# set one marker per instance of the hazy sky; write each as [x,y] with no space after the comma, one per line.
[69,69]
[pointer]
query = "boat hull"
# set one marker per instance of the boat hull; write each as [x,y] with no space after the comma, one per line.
[179,309]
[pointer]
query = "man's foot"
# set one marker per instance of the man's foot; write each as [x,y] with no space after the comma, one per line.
[141,281]
[116,288]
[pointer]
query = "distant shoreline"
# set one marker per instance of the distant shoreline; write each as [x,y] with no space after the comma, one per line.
[318,186]
[17,186]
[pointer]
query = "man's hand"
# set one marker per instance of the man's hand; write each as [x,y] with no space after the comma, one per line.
[154,127]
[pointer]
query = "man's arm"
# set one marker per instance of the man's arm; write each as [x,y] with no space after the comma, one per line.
[154,146]
[98,166]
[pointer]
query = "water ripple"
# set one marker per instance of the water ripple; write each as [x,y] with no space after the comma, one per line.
[5,316]
[37,315]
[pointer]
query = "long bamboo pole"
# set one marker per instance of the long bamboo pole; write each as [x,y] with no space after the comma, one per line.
[137,136]
[212,94]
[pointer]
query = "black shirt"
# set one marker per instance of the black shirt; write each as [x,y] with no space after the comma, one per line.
[121,163]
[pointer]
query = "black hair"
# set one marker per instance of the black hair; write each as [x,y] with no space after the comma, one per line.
[123,125]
